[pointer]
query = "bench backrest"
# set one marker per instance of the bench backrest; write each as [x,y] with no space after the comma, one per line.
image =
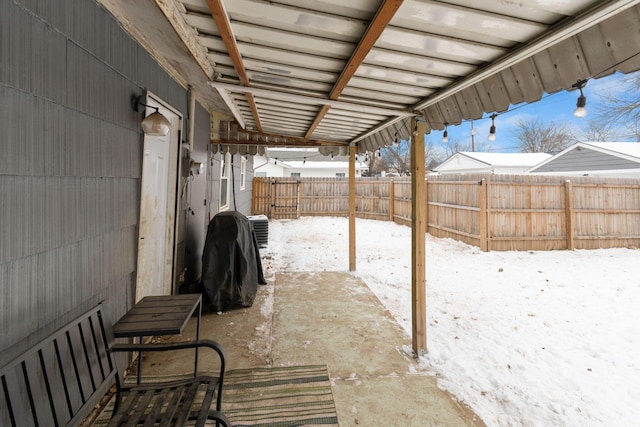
[60,380]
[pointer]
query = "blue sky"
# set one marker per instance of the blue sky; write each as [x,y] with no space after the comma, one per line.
[556,107]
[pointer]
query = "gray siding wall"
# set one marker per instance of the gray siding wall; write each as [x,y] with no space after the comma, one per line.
[203,192]
[71,164]
[586,160]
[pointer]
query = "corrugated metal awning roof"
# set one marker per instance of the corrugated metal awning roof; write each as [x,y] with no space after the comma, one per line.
[334,73]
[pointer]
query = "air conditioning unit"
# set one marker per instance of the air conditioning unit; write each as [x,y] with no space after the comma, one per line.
[260,224]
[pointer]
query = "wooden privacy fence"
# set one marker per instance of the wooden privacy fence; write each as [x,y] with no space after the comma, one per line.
[493,212]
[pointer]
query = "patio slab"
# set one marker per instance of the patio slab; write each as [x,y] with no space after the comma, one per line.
[329,318]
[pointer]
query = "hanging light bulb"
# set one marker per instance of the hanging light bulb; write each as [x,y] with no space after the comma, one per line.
[580,110]
[304,160]
[473,130]
[332,155]
[492,130]
[395,140]
[445,135]
[378,153]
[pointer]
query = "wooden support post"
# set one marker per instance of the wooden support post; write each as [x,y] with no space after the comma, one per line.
[352,208]
[418,236]
[482,216]
[568,197]
[392,197]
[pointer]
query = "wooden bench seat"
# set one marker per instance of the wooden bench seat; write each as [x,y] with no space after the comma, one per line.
[60,380]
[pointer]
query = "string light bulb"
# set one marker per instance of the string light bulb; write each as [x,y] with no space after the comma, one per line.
[304,160]
[492,130]
[445,135]
[395,140]
[332,155]
[580,110]
[378,153]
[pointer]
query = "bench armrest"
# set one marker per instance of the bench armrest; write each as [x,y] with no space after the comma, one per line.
[180,345]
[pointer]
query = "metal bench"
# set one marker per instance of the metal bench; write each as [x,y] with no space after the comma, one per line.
[59,381]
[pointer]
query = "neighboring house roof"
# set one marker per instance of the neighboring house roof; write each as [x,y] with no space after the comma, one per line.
[465,161]
[598,158]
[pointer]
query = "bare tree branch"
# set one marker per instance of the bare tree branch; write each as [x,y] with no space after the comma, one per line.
[597,130]
[622,108]
[538,136]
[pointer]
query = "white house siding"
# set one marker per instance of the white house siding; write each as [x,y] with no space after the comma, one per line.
[272,167]
[497,163]
[263,166]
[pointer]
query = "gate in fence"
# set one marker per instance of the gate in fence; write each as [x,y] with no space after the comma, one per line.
[286,199]
[276,198]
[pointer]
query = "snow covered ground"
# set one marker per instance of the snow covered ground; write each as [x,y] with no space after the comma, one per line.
[523,338]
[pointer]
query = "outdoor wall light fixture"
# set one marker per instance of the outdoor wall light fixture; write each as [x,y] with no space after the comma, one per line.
[580,110]
[196,168]
[445,135]
[155,124]
[492,129]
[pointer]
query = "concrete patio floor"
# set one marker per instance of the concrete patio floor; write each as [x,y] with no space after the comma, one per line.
[329,318]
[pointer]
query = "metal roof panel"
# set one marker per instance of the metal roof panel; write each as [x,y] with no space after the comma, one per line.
[327,63]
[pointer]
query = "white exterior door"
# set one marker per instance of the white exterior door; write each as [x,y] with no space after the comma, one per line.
[157,208]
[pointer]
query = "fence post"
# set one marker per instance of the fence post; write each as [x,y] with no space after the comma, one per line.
[392,197]
[568,207]
[484,232]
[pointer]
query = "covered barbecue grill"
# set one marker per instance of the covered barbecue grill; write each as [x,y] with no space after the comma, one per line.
[231,266]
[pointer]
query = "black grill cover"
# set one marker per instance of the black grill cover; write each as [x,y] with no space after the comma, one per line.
[231,266]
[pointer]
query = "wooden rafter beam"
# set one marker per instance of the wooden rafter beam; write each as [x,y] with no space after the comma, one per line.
[219,14]
[323,111]
[254,109]
[386,11]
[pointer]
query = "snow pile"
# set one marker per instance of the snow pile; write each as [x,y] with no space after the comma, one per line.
[523,338]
